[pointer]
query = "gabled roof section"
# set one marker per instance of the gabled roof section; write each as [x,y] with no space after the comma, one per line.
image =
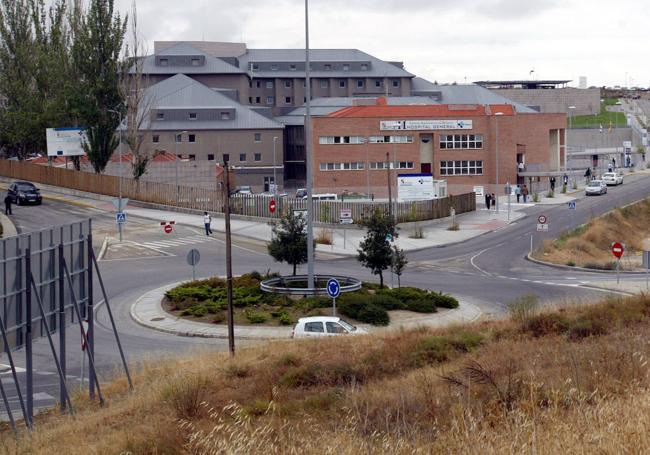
[181,92]
[211,65]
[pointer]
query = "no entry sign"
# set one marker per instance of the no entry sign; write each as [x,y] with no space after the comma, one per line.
[618,249]
[272,206]
[168,229]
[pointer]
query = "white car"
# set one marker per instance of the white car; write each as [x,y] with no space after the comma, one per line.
[323,326]
[612,178]
[596,187]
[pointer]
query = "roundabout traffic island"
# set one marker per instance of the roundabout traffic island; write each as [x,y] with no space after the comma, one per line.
[273,300]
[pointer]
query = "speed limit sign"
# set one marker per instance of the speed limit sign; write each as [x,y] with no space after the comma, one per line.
[542,219]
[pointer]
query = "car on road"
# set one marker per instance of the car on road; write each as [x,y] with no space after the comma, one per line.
[243,190]
[24,193]
[323,326]
[301,193]
[596,187]
[612,178]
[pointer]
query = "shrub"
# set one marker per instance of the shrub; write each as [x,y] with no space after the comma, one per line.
[255,317]
[185,393]
[432,349]
[443,300]
[387,302]
[585,327]
[421,306]
[302,376]
[465,341]
[571,263]
[522,308]
[361,308]
[285,319]
[196,311]
[545,324]
[288,360]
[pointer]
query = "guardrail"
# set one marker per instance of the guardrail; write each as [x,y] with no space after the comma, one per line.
[282,285]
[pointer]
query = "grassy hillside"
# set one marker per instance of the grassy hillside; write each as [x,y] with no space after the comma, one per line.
[590,245]
[604,118]
[574,380]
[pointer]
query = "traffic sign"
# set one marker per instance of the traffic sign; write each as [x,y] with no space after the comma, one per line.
[333,288]
[346,216]
[168,229]
[272,206]
[542,219]
[572,205]
[542,227]
[120,217]
[193,257]
[120,205]
[618,249]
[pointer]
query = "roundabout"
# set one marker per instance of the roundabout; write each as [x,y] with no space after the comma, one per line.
[297,285]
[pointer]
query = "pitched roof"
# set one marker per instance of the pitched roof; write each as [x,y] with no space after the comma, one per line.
[213,65]
[183,92]
[387,111]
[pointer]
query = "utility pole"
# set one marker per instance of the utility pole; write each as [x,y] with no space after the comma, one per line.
[275,179]
[226,210]
[308,158]
[390,193]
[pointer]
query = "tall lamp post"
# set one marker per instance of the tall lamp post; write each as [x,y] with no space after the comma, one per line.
[308,158]
[176,141]
[566,147]
[275,180]
[119,181]
[496,121]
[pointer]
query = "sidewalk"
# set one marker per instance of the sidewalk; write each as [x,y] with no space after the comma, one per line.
[148,312]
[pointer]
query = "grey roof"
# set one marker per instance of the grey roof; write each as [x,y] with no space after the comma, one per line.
[212,65]
[183,92]
[378,68]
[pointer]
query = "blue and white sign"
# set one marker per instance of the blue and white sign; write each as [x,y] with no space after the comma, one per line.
[414,125]
[333,288]
[120,217]
[65,141]
[572,205]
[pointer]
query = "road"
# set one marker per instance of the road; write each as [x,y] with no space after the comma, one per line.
[487,271]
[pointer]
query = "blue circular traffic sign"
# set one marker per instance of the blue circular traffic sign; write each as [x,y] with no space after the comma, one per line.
[333,288]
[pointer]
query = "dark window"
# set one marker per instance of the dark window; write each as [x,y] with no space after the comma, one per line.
[257,100]
[242,157]
[314,327]
[155,138]
[258,137]
[191,138]
[258,84]
[164,62]
[179,138]
[226,157]
[360,83]
[292,67]
[287,100]
[192,157]
[287,83]
[342,83]
[160,116]
[250,100]
[258,157]
[210,156]
[377,83]
[192,115]
[395,83]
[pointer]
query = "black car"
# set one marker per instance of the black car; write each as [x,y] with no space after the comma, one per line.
[24,193]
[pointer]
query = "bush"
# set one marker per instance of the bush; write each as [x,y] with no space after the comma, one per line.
[285,319]
[255,317]
[585,327]
[432,349]
[387,302]
[545,324]
[522,308]
[444,301]
[197,311]
[361,308]
[422,306]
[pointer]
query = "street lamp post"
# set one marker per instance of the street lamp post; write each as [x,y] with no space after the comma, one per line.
[176,140]
[119,181]
[498,114]
[275,180]
[308,158]
[566,148]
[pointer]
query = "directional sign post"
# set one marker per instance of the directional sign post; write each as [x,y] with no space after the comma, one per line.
[120,217]
[193,258]
[346,218]
[333,290]
[542,223]
[572,205]
[618,249]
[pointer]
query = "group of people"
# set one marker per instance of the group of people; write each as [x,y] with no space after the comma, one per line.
[519,190]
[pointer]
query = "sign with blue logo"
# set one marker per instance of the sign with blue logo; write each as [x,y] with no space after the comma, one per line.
[572,205]
[333,288]
[120,217]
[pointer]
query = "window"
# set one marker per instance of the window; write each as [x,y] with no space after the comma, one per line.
[196,62]
[258,100]
[258,137]
[342,83]
[360,83]
[287,100]
[160,116]
[390,139]
[269,84]
[340,140]
[255,66]
[461,167]
[210,156]
[258,157]
[461,141]
[191,138]
[292,67]
[364,67]
[179,138]
[242,157]
[377,82]
[324,83]
[328,67]
[346,67]
[164,62]
[226,157]
[314,327]
[192,157]
[269,100]
[287,83]
[155,139]
[192,115]
[225,116]
[275,67]
[393,165]
[334,327]
[250,100]
[395,82]
[258,84]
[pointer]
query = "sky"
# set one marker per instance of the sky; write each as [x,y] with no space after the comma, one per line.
[441,40]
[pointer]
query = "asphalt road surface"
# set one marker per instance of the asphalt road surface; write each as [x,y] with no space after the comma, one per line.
[487,271]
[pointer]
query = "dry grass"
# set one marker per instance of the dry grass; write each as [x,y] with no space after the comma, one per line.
[573,380]
[324,237]
[590,245]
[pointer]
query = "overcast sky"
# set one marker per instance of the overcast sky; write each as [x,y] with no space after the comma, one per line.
[441,40]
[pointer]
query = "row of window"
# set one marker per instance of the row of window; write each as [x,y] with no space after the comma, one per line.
[461,141]
[293,67]
[461,167]
[195,116]
[165,62]
[361,139]
[360,165]
[392,165]
[155,138]
[324,83]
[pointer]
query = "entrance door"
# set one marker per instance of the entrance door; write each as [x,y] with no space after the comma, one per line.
[425,168]
[268,183]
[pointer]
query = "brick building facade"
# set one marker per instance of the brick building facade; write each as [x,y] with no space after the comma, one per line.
[361,148]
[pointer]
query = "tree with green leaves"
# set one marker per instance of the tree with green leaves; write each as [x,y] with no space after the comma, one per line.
[96,56]
[375,252]
[398,263]
[289,242]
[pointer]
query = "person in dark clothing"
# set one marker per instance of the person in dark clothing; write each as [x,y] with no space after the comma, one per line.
[488,199]
[494,201]
[552,181]
[8,205]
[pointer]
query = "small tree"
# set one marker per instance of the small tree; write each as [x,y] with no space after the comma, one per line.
[398,263]
[375,252]
[289,242]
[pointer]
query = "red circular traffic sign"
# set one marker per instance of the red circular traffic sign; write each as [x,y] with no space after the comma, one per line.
[541,219]
[168,229]
[272,205]
[618,249]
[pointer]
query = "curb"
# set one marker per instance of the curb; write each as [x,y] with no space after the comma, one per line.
[580,269]
[8,226]
[102,250]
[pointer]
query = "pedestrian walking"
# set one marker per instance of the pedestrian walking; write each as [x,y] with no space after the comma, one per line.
[207,220]
[488,199]
[8,205]
[524,192]
[552,181]
[494,201]
[518,192]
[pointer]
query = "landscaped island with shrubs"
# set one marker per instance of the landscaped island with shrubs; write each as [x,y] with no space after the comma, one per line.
[205,300]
